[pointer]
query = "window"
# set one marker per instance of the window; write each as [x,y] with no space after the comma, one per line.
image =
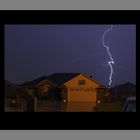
[82,82]
[45,88]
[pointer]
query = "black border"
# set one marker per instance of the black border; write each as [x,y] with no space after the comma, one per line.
[63,120]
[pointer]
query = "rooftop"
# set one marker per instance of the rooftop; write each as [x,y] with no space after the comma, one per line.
[61,78]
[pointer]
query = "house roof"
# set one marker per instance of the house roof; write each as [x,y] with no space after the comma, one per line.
[35,81]
[92,79]
[58,79]
[61,78]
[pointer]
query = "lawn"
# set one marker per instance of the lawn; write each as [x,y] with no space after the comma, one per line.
[71,106]
[109,107]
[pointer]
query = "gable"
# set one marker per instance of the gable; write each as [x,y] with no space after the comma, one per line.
[45,82]
[82,81]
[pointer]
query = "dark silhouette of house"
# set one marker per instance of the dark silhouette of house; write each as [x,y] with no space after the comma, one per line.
[121,92]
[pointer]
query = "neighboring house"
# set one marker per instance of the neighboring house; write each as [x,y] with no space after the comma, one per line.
[72,87]
[123,91]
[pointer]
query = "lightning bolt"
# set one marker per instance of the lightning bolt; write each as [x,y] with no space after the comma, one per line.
[111,59]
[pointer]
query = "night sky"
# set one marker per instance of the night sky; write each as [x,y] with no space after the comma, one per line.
[32,51]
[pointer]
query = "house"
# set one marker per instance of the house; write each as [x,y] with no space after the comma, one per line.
[78,87]
[70,87]
[123,91]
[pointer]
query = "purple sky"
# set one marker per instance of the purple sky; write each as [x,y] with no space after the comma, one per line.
[36,50]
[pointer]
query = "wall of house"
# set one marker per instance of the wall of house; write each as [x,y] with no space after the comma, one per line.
[23,91]
[64,96]
[82,95]
[81,92]
[102,94]
[43,88]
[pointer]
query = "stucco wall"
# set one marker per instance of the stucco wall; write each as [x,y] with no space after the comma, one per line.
[81,93]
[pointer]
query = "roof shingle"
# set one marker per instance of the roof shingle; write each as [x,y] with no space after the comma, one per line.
[61,78]
[57,79]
